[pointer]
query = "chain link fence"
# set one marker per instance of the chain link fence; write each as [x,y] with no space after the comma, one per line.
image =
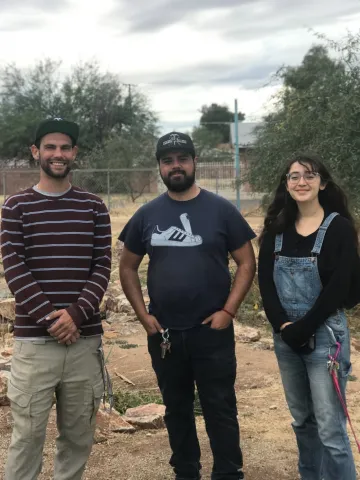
[120,186]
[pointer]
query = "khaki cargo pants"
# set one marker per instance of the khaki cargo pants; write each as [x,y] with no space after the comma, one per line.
[39,369]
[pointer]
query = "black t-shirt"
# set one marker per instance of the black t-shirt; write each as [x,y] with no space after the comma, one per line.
[188,244]
[338,264]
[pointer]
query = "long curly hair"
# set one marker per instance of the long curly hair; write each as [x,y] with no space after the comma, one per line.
[283,210]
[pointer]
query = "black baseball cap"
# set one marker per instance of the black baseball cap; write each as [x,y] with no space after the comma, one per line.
[174,142]
[58,125]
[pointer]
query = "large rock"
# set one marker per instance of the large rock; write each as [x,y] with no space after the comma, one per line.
[107,422]
[118,304]
[4,378]
[149,416]
[7,310]
[246,334]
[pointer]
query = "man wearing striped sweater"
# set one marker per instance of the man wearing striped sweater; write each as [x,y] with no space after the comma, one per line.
[56,251]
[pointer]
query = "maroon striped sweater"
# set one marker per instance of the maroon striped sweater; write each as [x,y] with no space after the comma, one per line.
[56,254]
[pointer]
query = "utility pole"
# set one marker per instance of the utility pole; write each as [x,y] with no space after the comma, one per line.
[129,85]
[237,155]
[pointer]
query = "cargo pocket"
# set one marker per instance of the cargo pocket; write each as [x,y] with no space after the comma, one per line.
[98,392]
[20,408]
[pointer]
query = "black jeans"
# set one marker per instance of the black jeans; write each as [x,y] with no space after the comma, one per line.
[206,357]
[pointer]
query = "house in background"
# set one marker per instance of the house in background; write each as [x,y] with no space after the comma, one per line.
[247,136]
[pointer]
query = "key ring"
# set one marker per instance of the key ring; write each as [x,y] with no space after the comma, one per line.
[165,335]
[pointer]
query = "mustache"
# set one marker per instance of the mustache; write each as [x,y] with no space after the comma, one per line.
[176,172]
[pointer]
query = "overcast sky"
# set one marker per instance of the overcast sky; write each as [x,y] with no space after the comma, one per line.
[182,53]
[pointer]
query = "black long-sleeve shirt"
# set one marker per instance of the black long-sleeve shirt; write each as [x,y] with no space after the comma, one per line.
[339,268]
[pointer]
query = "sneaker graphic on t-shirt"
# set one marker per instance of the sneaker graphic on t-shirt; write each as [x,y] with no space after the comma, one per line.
[176,237]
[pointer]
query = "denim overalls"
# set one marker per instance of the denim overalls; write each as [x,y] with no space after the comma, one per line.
[319,420]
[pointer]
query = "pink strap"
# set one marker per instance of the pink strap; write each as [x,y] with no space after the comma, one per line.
[339,394]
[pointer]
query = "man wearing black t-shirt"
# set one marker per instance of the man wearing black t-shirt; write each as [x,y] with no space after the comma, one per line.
[188,234]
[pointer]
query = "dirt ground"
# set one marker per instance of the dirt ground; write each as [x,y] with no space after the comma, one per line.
[266,436]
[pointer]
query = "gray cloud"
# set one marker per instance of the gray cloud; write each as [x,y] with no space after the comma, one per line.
[243,19]
[149,16]
[25,15]
[18,6]
[234,72]
[250,24]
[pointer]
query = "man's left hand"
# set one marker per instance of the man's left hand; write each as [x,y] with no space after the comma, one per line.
[64,329]
[218,320]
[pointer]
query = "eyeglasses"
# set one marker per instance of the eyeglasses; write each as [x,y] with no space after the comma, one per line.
[307,176]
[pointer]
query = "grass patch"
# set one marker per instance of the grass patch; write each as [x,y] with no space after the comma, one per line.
[122,344]
[124,400]
[129,345]
[352,378]
[131,399]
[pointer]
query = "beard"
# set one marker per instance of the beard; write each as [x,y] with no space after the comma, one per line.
[46,167]
[180,184]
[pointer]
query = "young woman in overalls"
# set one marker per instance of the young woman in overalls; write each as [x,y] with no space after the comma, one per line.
[308,261]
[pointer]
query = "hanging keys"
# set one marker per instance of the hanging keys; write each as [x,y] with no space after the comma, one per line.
[165,345]
[333,366]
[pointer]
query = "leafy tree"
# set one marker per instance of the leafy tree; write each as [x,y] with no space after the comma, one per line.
[317,109]
[206,143]
[133,151]
[98,101]
[212,118]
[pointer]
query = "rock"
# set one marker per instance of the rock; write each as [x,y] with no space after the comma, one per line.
[265,344]
[273,407]
[118,304]
[7,310]
[111,317]
[119,247]
[246,334]
[102,308]
[100,437]
[5,365]
[4,378]
[7,353]
[111,304]
[128,331]
[107,422]
[120,318]
[109,335]
[149,416]
[262,315]
[124,306]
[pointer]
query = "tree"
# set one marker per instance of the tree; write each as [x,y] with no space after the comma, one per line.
[26,97]
[206,145]
[317,109]
[132,151]
[216,118]
[98,101]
